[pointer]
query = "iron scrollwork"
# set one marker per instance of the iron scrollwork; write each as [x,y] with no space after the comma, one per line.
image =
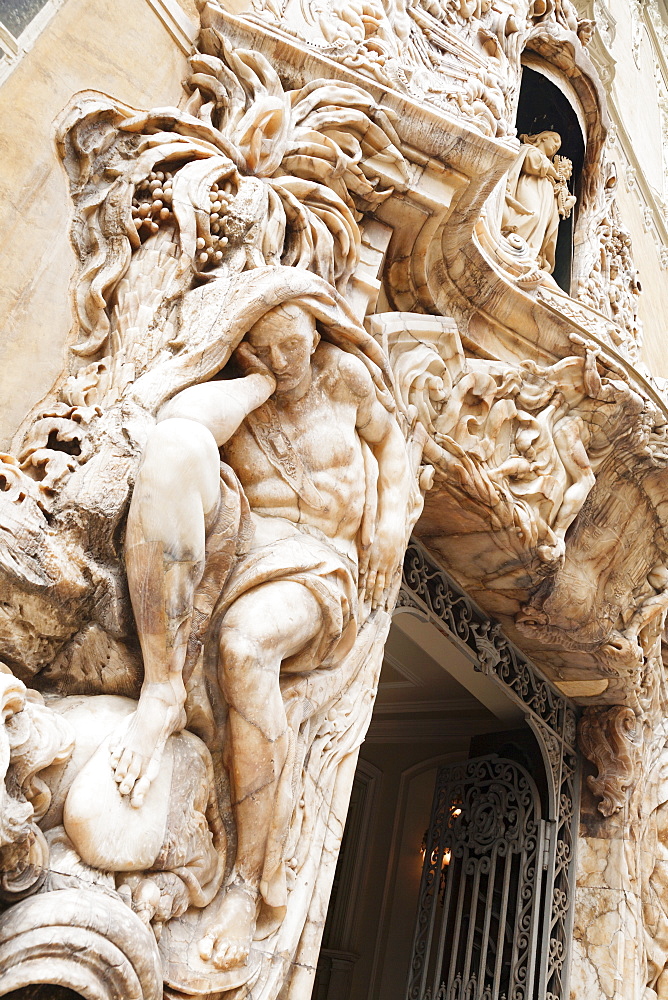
[428,591]
[480,890]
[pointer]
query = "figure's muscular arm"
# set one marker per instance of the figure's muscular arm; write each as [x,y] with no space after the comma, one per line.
[379,429]
[222,406]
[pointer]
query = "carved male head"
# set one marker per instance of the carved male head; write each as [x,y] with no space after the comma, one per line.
[284,340]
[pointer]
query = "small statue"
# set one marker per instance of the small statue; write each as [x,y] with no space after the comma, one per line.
[537,195]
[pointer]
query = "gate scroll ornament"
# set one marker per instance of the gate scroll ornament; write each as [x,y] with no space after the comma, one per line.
[483,872]
[428,592]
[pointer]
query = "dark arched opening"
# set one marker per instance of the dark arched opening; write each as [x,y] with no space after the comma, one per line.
[543,106]
[43,991]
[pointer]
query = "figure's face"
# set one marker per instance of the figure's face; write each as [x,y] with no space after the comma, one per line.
[284,340]
[550,143]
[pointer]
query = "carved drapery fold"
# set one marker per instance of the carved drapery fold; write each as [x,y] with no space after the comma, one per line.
[611,740]
[540,444]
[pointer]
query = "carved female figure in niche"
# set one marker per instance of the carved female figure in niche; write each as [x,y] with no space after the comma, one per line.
[537,195]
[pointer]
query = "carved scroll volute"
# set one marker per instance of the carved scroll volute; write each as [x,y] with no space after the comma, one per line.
[611,739]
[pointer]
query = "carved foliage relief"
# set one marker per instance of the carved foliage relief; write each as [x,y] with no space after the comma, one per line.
[193,227]
[233,437]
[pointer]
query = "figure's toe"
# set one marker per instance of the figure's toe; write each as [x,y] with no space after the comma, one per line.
[219,957]
[228,955]
[206,947]
[139,791]
[131,774]
[122,765]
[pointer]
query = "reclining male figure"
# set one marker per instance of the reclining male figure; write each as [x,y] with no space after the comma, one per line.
[301,466]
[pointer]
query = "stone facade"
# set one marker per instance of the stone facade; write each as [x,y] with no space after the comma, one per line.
[286,283]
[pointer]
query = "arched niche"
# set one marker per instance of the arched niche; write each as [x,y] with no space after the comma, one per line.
[548,102]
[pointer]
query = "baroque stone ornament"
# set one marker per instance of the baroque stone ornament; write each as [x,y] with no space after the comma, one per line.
[202,741]
[313,304]
[612,285]
[611,739]
[537,195]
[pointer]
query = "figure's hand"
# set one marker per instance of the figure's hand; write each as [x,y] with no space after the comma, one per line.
[383,562]
[249,363]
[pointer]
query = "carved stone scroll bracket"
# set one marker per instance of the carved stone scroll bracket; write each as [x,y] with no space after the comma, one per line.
[612,740]
[88,942]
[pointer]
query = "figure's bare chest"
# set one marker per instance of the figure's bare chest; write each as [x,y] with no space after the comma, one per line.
[318,438]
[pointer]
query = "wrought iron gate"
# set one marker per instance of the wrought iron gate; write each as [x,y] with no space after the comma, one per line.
[479,906]
[428,592]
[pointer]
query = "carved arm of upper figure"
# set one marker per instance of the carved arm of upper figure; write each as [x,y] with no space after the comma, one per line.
[222,406]
[377,426]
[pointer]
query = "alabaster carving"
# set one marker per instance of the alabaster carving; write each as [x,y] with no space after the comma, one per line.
[532,448]
[57,774]
[322,526]
[411,48]
[258,521]
[307,298]
[459,55]
[523,441]
[537,195]
[611,739]
[611,282]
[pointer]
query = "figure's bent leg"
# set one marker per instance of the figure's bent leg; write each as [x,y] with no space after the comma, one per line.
[177,490]
[573,455]
[259,631]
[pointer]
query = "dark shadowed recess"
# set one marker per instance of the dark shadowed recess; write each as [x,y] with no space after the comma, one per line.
[542,106]
[44,991]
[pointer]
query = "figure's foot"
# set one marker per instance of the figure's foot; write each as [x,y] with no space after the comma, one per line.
[228,943]
[136,752]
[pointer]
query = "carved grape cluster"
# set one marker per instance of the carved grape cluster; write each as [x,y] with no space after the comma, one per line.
[152,203]
[210,251]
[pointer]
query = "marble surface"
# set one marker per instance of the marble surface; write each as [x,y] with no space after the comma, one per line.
[301,315]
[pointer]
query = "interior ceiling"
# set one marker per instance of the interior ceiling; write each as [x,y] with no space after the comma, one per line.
[430,689]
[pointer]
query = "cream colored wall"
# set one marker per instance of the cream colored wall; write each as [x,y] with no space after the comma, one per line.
[634,108]
[123,49]
[654,282]
[635,93]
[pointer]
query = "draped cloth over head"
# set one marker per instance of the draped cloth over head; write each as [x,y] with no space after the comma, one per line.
[216,316]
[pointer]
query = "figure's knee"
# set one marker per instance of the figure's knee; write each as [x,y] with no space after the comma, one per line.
[180,440]
[242,667]
[238,651]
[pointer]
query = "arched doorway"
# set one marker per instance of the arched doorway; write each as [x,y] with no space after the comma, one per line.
[458,706]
